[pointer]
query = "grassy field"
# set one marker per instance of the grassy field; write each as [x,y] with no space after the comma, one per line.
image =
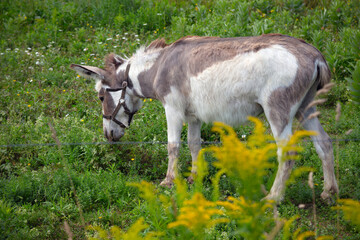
[85,181]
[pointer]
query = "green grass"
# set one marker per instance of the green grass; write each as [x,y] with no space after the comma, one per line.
[40,39]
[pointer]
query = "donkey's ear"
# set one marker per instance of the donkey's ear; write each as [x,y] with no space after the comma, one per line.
[90,72]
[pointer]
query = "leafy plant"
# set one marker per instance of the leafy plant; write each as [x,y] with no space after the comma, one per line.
[354,83]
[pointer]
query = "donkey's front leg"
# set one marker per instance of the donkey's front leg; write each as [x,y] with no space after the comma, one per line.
[194,142]
[174,126]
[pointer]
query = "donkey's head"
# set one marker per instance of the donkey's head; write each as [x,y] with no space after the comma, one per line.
[115,92]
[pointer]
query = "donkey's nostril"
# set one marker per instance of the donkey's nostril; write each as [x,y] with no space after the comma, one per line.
[112,134]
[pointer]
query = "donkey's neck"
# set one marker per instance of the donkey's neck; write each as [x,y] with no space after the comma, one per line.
[143,72]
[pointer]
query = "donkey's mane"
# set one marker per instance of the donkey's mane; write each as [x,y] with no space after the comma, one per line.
[160,43]
[191,37]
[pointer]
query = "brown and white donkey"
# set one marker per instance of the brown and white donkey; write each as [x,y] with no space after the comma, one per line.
[206,79]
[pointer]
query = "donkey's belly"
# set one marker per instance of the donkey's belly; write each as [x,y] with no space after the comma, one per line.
[232,113]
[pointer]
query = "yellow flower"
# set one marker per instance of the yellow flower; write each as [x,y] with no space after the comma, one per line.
[29,105]
[64,90]
[29,164]
[100,217]
[14,80]
[147,190]
[197,214]
[18,94]
[81,120]
[150,100]
[351,210]
[132,159]
[246,161]
[144,100]
[245,211]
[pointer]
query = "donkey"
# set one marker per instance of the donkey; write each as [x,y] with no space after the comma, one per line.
[206,79]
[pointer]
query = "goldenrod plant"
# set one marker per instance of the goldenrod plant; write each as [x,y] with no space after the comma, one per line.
[244,164]
[351,210]
[133,233]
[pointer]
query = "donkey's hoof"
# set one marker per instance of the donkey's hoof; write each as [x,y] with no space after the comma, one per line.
[190,179]
[167,183]
[273,197]
[328,198]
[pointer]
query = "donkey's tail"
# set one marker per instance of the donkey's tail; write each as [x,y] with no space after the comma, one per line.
[324,74]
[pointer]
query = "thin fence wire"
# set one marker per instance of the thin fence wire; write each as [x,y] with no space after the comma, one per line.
[141,143]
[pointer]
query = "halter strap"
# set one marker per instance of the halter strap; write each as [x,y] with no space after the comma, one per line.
[122,102]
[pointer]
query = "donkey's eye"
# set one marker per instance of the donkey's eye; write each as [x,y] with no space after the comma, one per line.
[101,99]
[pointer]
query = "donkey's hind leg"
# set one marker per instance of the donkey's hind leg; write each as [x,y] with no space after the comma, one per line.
[324,149]
[284,166]
[194,142]
[281,126]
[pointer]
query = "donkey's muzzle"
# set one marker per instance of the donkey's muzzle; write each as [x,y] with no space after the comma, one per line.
[114,136]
